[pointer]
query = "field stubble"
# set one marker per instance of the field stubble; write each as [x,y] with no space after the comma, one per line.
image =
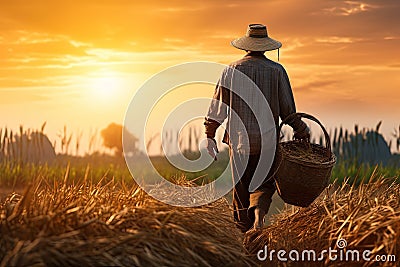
[90,216]
[111,223]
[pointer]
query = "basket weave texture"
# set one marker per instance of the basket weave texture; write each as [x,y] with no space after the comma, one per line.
[304,169]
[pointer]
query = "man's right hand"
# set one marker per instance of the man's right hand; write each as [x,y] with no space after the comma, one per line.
[302,135]
[212,148]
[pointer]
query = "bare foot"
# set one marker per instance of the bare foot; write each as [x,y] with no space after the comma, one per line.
[259,215]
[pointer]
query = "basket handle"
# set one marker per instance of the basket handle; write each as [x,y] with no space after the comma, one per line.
[310,117]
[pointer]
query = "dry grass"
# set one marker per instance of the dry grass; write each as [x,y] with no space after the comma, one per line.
[110,224]
[367,217]
[305,151]
[61,223]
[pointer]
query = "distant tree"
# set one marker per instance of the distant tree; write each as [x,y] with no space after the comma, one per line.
[112,138]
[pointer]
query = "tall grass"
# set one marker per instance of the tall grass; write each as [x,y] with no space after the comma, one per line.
[13,154]
[25,146]
[16,176]
[187,141]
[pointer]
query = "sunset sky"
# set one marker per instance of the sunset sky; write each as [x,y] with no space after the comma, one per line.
[78,63]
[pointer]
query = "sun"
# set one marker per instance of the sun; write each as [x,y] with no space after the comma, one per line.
[106,87]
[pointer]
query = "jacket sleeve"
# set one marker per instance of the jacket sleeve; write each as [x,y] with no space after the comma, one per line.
[218,110]
[286,102]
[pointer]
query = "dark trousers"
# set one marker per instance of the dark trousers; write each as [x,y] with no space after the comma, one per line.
[244,202]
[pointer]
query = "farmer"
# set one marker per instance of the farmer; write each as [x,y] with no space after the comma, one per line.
[270,77]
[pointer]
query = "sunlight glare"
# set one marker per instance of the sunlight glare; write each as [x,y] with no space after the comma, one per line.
[106,87]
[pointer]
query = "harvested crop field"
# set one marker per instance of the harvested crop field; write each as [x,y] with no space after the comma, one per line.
[100,225]
[111,223]
[344,218]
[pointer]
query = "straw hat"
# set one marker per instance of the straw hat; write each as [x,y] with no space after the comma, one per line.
[256,39]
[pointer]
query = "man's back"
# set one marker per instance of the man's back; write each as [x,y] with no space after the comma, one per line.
[271,78]
[268,93]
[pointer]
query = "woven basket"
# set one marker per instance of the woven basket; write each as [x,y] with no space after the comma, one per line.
[300,181]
